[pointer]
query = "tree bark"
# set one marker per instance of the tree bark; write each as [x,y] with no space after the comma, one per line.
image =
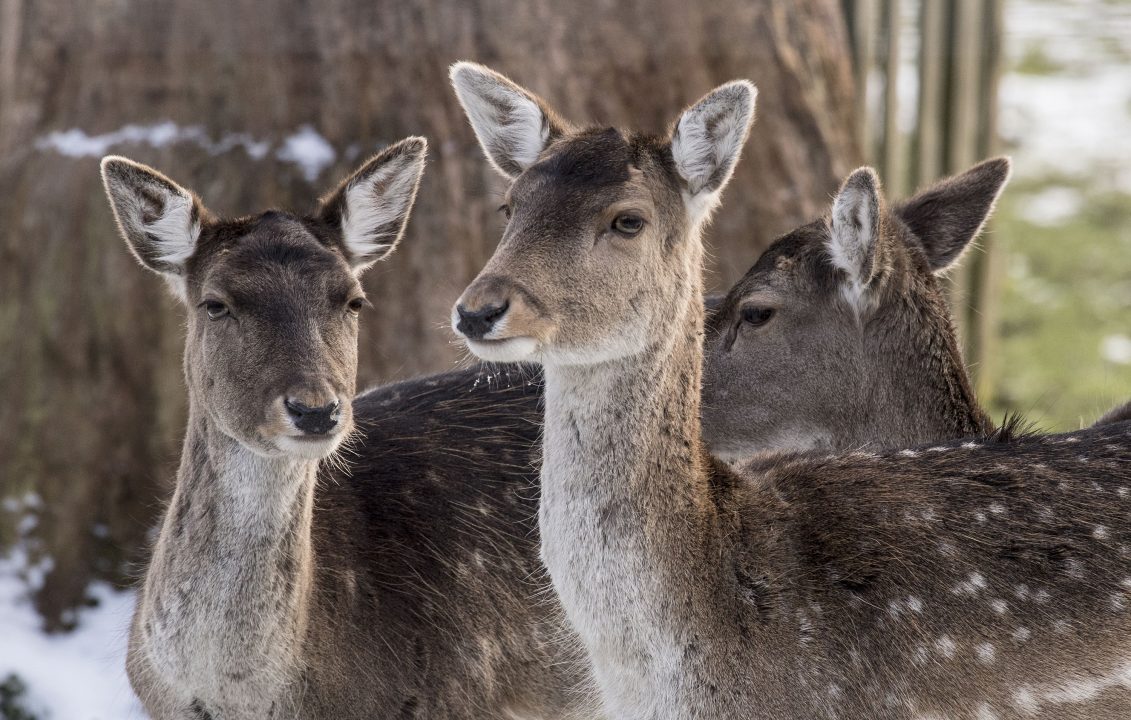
[91,379]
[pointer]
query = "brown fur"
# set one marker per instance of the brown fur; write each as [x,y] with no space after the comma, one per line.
[967,580]
[399,577]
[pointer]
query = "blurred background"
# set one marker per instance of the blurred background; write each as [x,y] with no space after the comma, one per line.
[258,103]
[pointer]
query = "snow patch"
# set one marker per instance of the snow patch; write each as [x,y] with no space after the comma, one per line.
[309,150]
[80,675]
[1116,349]
[305,147]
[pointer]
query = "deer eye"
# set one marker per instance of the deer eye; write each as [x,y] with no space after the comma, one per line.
[628,225]
[757,316]
[356,305]
[505,210]
[215,309]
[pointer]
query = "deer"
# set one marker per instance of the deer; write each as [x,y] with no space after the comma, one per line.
[790,364]
[970,578]
[325,555]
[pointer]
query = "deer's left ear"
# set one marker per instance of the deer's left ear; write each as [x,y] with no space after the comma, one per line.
[707,141]
[948,215]
[854,233]
[372,206]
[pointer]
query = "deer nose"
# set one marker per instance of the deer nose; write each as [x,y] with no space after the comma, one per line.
[313,420]
[475,324]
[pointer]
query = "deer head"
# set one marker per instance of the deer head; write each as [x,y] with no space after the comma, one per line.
[601,240]
[272,300]
[841,330]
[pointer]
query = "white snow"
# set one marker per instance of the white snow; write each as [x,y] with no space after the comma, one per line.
[309,150]
[78,675]
[1116,349]
[1054,205]
[305,147]
[77,143]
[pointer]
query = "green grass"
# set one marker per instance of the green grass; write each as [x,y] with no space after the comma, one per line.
[1067,287]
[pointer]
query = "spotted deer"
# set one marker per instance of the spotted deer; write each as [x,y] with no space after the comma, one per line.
[971,579]
[326,556]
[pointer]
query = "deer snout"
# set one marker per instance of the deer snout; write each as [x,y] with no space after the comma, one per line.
[475,323]
[314,420]
[483,306]
[313,408]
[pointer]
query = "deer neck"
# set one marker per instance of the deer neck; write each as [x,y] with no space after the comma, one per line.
[223,610]
[625,512]
[929,385]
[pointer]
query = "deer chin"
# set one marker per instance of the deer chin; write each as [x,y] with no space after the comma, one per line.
[309,447]
[505,350]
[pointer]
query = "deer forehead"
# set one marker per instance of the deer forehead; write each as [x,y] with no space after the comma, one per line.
[252,262]
[594,168]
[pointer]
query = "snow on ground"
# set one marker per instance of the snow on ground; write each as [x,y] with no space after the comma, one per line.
[78,675]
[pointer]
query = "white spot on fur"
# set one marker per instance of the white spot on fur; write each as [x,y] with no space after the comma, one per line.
[914,604]
[985,652]
[1024,699]
[971,585]
[1100,532]
[999,606]
[997,508]
[971,445]
[946,646]
[985,712]
[908,453]
[1022,634]
[1072,690]
[920,655]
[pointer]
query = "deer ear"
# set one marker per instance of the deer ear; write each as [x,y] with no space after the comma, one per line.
[372,206]
[855,232]
[949,214]
[159,219]
[513,125]
[707,141]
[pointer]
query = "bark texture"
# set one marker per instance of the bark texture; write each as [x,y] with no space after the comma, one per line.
[90,374]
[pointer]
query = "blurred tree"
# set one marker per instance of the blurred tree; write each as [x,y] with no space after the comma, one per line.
[92,393]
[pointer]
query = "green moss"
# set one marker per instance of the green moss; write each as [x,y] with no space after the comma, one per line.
[1067,287]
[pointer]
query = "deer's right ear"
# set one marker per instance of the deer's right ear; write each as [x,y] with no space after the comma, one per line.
[854,235]
[372,206]
[513,125]
[159,219]
[949,214]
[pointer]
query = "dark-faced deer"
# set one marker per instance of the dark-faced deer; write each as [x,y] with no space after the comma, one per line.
[400,577]
[802,354]
[975,579]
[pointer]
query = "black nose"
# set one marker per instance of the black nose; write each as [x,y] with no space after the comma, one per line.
[477,323]
[313,420]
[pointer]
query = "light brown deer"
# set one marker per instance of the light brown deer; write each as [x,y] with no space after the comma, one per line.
[977,579]
[399,578]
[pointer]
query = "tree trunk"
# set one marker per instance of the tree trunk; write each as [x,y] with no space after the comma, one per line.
[91,379]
